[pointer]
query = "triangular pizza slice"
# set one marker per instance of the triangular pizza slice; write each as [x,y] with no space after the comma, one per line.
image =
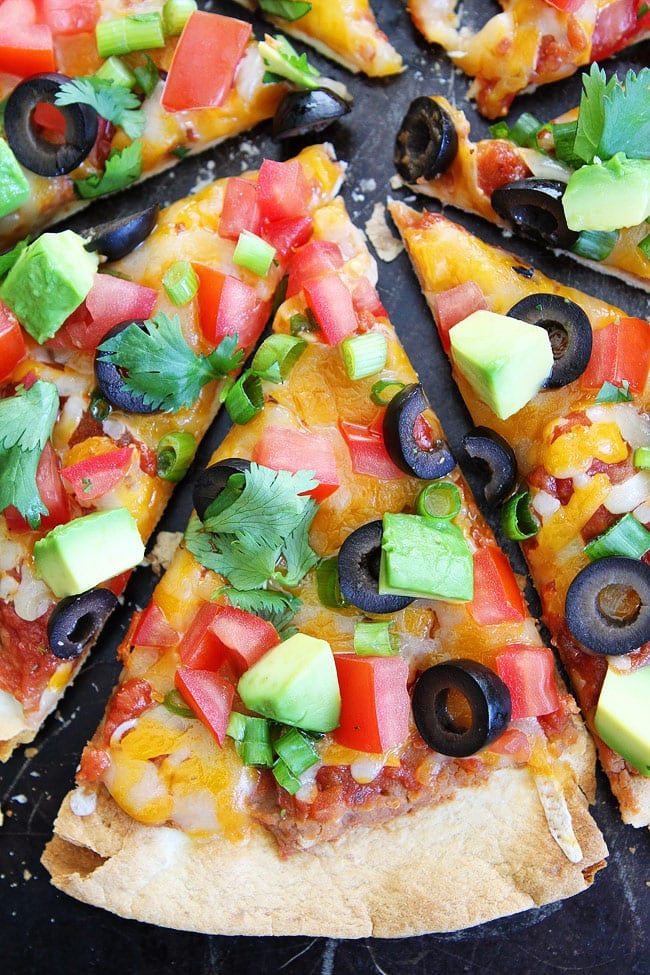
[579,494]
[577,183]
[336,715]
[110,374]
[529,42]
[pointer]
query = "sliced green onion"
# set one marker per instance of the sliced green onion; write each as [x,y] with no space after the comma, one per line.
[276,356]
[285,777]
[303,323]
[441,499]
[236,727]
[253,253]
[296,751]
[364,355]
[99,407]
[383,391]
[564,137]
[175,703]
[374,640]
[595,245]
[627,536]
[9,258]
[286,9]
[175,14]
[524,131]
[174,454]
[641,458]
[644,246]
[147,77]
[327,583]
[500,130]
[180,283]
[517,519]
[115,70]
[245,398]
[137,32]
[253,738]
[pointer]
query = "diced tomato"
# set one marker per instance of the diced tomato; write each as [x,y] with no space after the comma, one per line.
[287,234]
[282,190]
[209,696]
[375,703]
[111,300]
[453,305]
[240,210]
[51,121]
[12,342]
[287,449]
[94,476]
[316,259]
[528,673]
[512,744]
[366,299]
[569,6]
[199,648]
[52,492]
[497,597]
[153,629]
[205,60]
[368,451]
[226,634]
[26,47]
[69,16]
[132,698]
[330,302]
[616,23]
[228,306]
[620,351]
[95,762]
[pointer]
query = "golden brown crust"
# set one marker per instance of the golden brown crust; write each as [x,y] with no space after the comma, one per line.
[482,855]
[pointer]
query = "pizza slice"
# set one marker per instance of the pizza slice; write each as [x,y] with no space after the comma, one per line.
[576,184]
[346,32]
[530,42]
[336,716]
[100,95]
[106,388]
[581,486]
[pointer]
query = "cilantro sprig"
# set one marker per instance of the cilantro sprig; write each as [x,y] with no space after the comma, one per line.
[614,116]
[262,537]
[115,103]
[160,366]
[123,167]
[26,422]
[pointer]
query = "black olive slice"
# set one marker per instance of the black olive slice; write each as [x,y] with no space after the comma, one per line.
[213,479]
[117,238]
[110,378]
[484,693]
[568,328]
[426,143]
[404,447]
[76,621]
[33,150]
[533,208]
[359,558]
[495,454]
[608,605]
[307,111]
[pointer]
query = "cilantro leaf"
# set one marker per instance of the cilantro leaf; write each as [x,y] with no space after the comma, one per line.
[286,9]
[160,366]
[115,103]
[26,422]
[298,553]
[122,168]
[612,393]
[613,116]
[273,605]
[9,258]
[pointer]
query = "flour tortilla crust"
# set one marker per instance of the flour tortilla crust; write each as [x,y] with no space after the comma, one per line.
[484,854]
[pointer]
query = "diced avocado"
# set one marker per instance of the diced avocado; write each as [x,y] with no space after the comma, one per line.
[295,682]
[83,552]
[14,188]
[504,360]
[623,715]
[426,558]
[609,195]
[48,281]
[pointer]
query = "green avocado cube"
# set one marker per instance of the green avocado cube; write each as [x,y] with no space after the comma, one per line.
[622,716]
[81,553]
[49,280]
[424,557]
[609,195]
[504,360]
[14,188]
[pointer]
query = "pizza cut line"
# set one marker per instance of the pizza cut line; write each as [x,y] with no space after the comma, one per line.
[579,432]
[321,726]
[530,42]
[78,445]
[574,184]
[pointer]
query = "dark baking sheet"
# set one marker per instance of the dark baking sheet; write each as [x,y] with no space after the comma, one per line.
[606,929]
